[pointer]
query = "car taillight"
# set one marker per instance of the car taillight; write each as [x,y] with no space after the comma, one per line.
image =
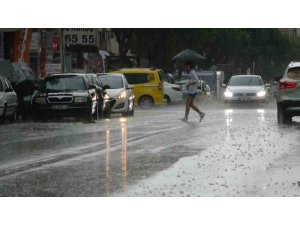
[286,84]
[176,88]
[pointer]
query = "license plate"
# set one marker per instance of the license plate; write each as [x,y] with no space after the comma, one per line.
[60,107]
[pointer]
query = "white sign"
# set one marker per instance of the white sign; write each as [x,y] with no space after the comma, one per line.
[80,36]
[53,68]
[35,43]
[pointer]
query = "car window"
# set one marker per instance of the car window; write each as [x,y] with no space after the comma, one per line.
[7,84]
[160,78]
[114,82]
[137,78]
[294,73]
[100,82]
[1,86]
[125,82]
[91,79]
[245,81]
[63,83]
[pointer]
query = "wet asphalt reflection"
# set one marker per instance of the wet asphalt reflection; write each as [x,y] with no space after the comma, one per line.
[144,155]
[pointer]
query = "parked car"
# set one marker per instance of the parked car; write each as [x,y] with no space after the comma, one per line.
[68,94]
[23,80]
[246,88]
[168,78]
[173,93]
[104,108]
[208,94]
[288,96]
[147,84]
[119,93]
[8,101]
[200,87]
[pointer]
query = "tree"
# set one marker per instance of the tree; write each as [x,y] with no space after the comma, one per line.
[269,49]
[123,36]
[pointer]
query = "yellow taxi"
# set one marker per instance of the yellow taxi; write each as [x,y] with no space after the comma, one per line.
[147,84]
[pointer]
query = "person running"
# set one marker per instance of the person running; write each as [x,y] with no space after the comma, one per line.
[192,92]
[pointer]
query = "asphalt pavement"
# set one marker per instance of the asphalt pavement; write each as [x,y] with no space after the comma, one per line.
[237,150]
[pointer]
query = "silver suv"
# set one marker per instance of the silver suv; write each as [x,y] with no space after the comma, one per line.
[288,97]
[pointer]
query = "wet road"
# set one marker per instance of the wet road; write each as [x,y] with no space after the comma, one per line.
[235,151]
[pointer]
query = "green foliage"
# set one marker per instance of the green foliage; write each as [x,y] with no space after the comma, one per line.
[270,49]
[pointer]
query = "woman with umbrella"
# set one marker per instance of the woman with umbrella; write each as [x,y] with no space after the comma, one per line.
[192,92]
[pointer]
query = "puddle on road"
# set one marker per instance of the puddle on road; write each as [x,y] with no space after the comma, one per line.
[123,124]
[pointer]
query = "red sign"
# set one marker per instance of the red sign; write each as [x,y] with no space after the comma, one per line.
[55,42]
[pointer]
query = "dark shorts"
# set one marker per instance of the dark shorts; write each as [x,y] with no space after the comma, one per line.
[193,95]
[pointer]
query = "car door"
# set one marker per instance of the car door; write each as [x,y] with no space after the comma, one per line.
[10,97]
[2,96]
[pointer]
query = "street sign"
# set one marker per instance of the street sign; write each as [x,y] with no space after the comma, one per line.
[35,41]
[53,68]
[80,36]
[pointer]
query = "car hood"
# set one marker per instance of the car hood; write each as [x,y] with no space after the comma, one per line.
[245,89]
[168,85]
[114,92]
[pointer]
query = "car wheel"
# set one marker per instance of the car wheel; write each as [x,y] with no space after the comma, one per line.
[167,99]
[3,117]
[95,116]
[282,118]
[107,113]
[125,114]
[36,116]
[131,113]
[89,114]
[13,118]
[146,102]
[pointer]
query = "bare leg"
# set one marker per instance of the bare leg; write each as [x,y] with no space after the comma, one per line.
[188,103]
[195,108]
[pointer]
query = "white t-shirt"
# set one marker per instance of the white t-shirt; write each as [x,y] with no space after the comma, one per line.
[193,78]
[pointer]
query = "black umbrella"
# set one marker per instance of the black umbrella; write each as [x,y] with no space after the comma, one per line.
[187,55]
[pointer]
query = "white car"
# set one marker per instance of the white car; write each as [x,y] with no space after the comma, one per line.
[119,93]
[173,93]
[245,88]
[8,101]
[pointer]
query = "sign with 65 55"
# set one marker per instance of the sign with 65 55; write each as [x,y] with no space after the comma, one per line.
[80,36]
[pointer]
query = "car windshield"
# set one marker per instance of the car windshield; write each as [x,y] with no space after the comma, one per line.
[114,82]
[63,83]
[245,81]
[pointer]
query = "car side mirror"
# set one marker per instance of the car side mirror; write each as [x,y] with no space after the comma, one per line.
[106,87]
[130,86]
[92,86]
[267,85]
[224,85]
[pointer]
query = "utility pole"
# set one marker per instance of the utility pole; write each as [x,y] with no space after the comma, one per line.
[61,50]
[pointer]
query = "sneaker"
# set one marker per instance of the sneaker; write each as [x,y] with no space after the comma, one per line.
[201,115]
[184,119]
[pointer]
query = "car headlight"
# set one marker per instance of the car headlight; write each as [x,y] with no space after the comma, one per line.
[80,99]
[40,100]
[122,95]
[106,97]
[228,94]
[261,93]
